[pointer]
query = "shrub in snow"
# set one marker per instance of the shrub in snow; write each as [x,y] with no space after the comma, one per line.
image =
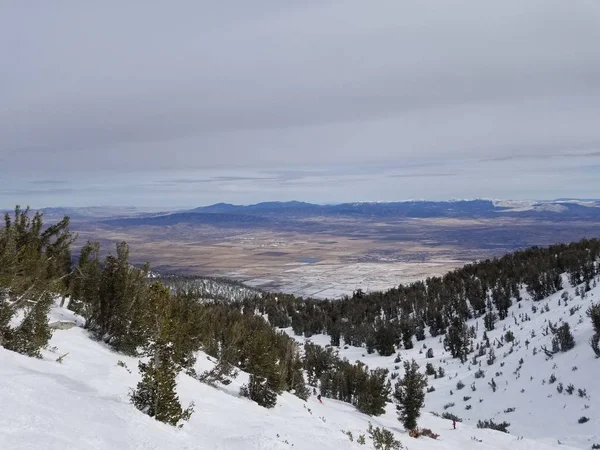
[460,385]
[429,369]
[583,419]
[383,439]
[416,433]
[450,416]
[503,426]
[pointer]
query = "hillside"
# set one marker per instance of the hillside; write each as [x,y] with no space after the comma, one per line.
[82,403]
[540,411]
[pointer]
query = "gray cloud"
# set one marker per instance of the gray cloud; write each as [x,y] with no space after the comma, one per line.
[274,86]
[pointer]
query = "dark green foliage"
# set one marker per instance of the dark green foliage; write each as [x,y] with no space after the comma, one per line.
[489,321]
[220,373]
[366,389]
[410,395]
[258,390]
[503,426]
[450,416]
[373,396]
[457,340]
[113,300]
[155,395]
[317,361]
[34,266]
[509,336]
[429,353]
[429,369]
[383,439]
[460,385]
[385,338]
[33,333]
[491,359]
[593,313]
[563,338]
[435,302]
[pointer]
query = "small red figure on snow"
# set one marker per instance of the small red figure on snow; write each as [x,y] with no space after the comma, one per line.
[319,398]
[454,423]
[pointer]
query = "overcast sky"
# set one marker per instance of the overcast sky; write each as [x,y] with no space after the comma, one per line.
[194,102]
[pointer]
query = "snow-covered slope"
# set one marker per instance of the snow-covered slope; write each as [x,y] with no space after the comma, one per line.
[82,403]
[540,411]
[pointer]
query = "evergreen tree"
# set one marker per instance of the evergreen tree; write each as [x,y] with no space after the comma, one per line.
[489,320]
[563,338]
[410,395]
[457,340]
[372,397]
[34,266]
[593,313]
[259,391]
[155,394]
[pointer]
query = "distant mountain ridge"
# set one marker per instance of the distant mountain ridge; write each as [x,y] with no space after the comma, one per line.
[269,212]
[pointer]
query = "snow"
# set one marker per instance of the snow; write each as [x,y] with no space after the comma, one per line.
[82,403]
[540,412]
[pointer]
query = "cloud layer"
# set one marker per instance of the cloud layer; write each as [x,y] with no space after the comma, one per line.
[156,88]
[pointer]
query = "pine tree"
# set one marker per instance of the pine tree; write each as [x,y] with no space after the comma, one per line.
[489,320]
[155,394]
[33,333]
[258,390]
[372,397]
[33,267]
[457,340]
[410,395]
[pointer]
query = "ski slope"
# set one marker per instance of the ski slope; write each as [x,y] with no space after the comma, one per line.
[540,411]
[82,403]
